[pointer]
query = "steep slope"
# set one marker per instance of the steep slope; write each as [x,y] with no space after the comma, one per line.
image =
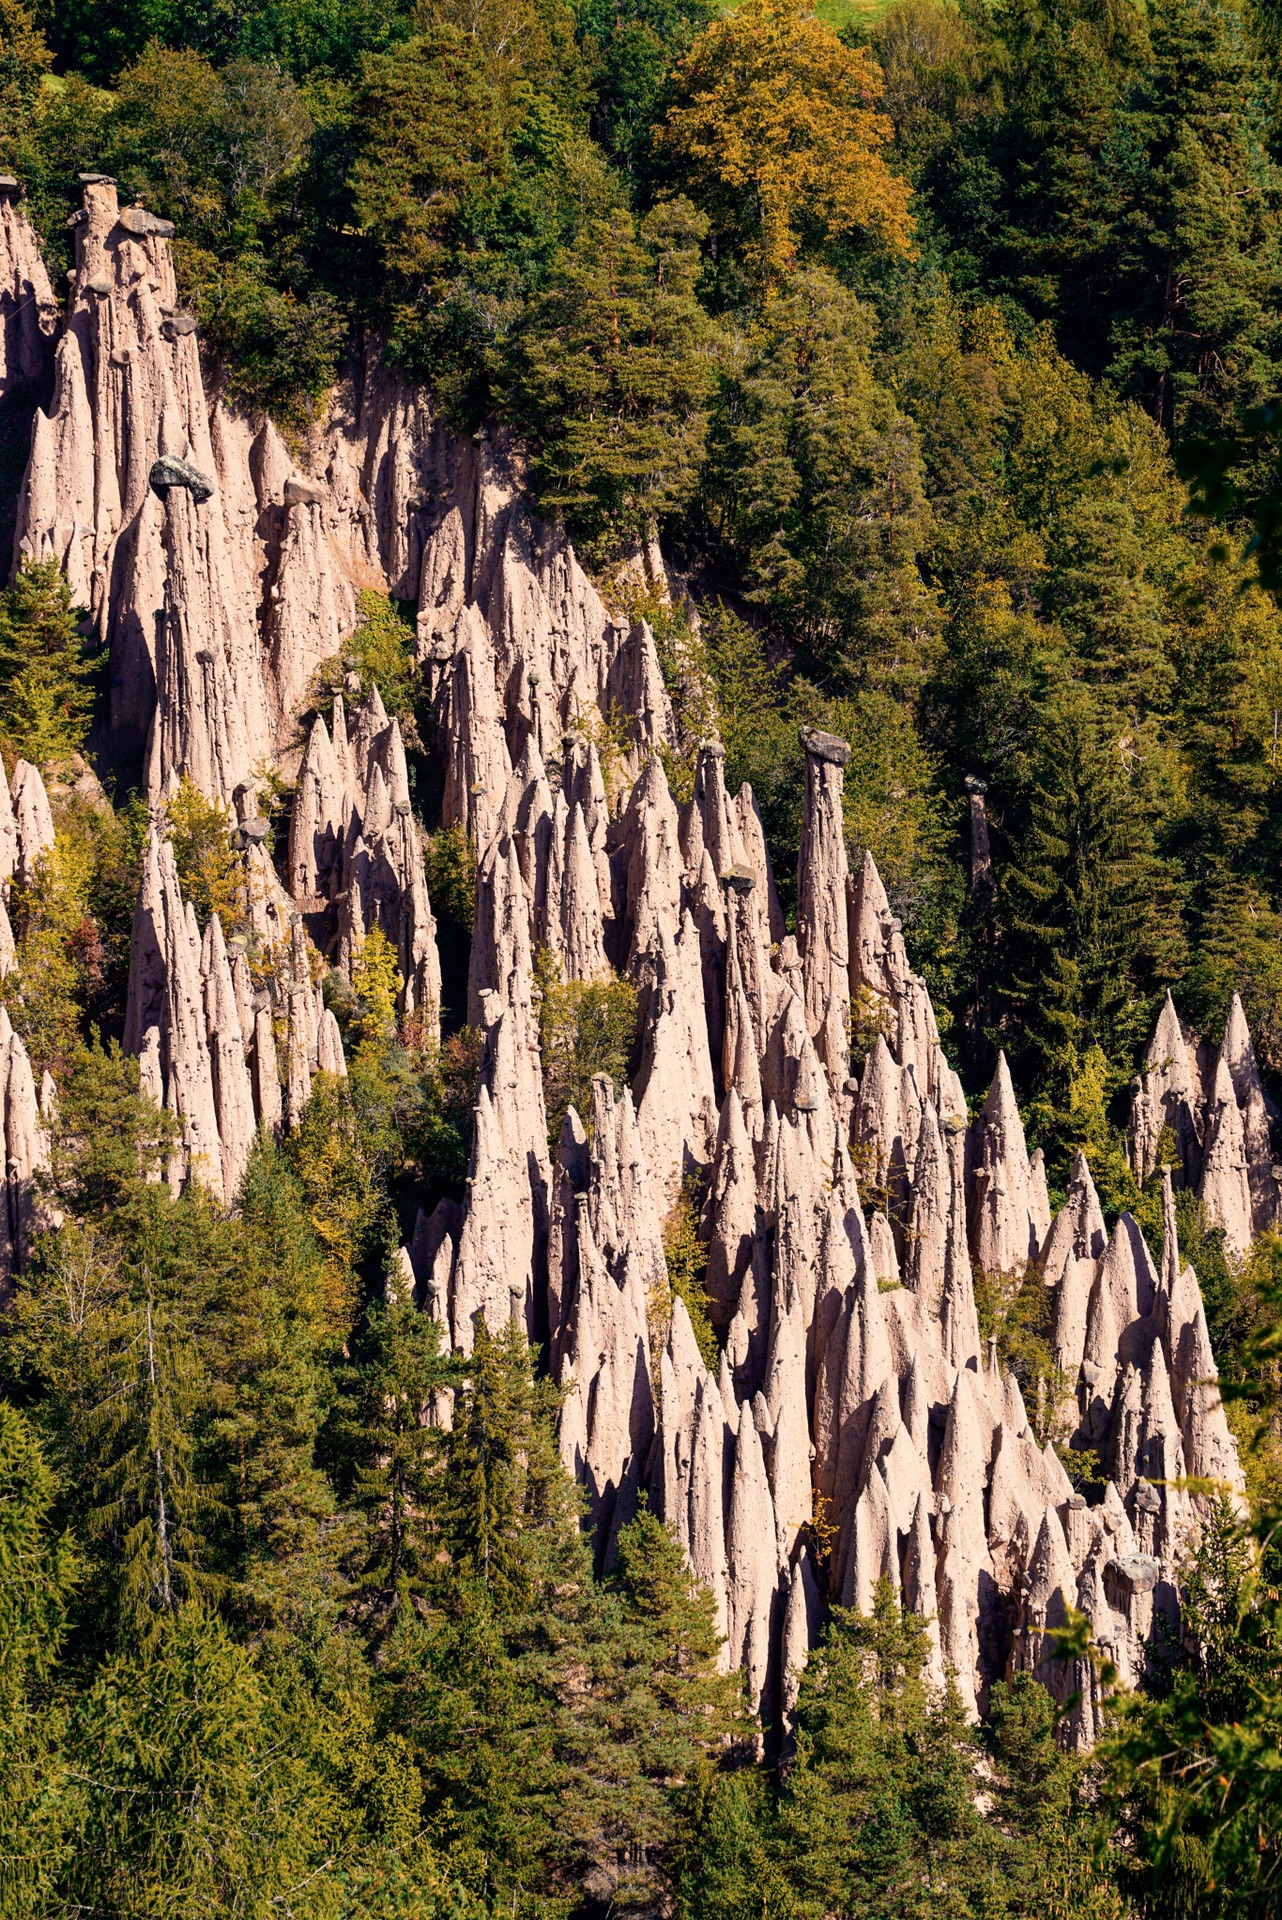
[855,1427]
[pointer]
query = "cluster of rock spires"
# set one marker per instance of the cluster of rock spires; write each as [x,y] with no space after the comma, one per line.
[1205,1113]
[855,1426]
[207,1024]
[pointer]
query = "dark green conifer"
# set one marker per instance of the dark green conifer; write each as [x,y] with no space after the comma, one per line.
[1081,929]
[37,1573]
[45,696]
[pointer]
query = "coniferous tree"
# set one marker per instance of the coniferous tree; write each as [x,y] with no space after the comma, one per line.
[656,1710]
[877,1814]
[815,484]
[1126,193]
[1045,1803]
[637,45]
[287,1537]
[730,1865]
[1081,930]
[196,1793]
[37,1572]
[108,1141]
[476,1676]
[150,1508]
[429,142]
[1193,1771]
[1195,334]
[45,698]
[388,1428]
[610,375]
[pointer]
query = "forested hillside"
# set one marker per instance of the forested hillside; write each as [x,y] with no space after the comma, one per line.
[852,380]
[899,368]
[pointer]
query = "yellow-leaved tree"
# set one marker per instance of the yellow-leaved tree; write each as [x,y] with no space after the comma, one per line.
[776,128]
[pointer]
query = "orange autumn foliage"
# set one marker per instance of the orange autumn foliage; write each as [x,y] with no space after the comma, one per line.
[776,126]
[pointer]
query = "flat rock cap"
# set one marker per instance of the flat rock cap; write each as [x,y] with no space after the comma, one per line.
[1137,1572]
[303,493]
[169,471]
[138,221]
[825,746]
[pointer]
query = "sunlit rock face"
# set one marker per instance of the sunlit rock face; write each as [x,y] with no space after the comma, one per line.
[847,1423]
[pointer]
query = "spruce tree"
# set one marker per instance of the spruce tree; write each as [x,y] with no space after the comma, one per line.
[45,696]
[730,1865]
[286,1539]
[109,1142]
[150,1509]
[195,1793]
[1128,195]
[37,1572]
[815,485]
[388,1430]
[1193,1767]
[1080,928]
[1045,1808]
[477,1675]
[610,375]
[877,1814]
[656,1710]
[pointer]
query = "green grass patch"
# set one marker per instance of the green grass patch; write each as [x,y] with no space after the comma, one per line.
[850,13]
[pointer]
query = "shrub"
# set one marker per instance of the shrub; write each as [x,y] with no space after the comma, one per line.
[586,1027]
[381,651]
[375,986]
[687,1262]
[450,865]
[210,871]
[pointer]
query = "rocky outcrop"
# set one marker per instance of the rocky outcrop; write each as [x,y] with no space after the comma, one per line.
[1208,1112]
[156,568]
[26,1155]
[1070,1263]
[502,1242]
[28,310]
[822,915]
[848,1425]
[233,1093]
[354,842]
[1167,1098]
[692,1445]
[676,1099]
[167,1001]
[1226,1187]
[28,324]
[1007,1209]
[608,1274]
[27,832]
[211,1044]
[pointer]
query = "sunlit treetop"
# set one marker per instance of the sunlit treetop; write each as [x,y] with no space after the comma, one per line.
[776,125]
